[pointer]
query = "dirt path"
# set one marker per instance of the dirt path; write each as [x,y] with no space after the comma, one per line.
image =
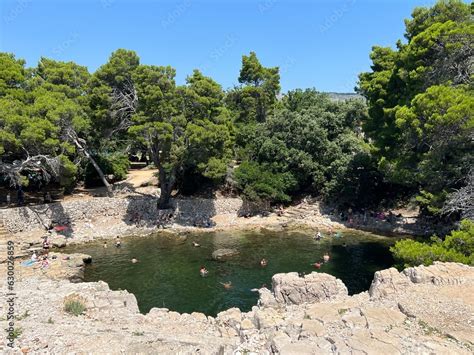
[142,177]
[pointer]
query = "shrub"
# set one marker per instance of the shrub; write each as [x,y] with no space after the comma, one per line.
[259,183]
[115,164]
[456,247]
[75,305]
[17,332]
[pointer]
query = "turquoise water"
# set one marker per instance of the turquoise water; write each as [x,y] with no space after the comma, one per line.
[167,274]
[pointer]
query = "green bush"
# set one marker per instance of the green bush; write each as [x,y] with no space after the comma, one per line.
[74,305]
[115,164]
[68,173]
[456,247]
[259,183]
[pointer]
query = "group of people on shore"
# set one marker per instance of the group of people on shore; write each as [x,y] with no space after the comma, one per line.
[41,257]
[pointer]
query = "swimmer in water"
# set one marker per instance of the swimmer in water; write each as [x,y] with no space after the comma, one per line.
[227,285]
[326,257]
[203,271]
[134,261]
[105,244]
[117,242]
[197,245]
[317,265]
[263,262]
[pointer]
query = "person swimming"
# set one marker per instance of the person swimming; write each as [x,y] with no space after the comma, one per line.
[134,261]
[105,244]
[318,236]
[227,285]
[117,242]
[197,245]
[203,271]
[263,262]
[317,265]
[326,257]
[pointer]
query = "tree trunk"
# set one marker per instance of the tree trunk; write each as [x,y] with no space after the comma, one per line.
[96,166]
[166,187]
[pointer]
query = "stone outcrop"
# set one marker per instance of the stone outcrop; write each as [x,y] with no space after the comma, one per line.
[390,281]
[223,254]
[422,310]
[315,287]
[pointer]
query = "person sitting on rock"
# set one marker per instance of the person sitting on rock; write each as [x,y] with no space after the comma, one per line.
[45,262]
[263,262]
[203,271]
[46,244]
[34,257]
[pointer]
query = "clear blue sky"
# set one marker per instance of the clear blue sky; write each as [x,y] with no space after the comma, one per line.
[319,43]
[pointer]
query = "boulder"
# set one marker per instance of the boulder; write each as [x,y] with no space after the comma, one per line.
[315,287]
[222,254]
[266,298]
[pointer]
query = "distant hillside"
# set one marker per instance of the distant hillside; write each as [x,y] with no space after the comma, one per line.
[341,96]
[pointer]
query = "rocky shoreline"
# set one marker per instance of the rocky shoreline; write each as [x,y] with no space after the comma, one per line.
[135,215]
[420,310]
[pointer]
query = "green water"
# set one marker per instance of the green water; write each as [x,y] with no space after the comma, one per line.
[167,274]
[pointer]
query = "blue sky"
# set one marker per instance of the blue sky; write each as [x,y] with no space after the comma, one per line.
[319,43]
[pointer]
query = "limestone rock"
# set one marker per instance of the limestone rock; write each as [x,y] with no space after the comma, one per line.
[312,328]
[299,348]
[222,254]
[315,287]
[266,298]
[279,340]
[387,282]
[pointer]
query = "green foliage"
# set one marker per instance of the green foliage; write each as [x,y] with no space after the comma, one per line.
[316,141]
[115,164]
[255,100]
[456,247]
[186,129]
[259,183]
[74,305]
[17,332]
[421,102]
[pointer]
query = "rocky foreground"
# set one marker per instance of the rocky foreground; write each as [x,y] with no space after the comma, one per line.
[420,310]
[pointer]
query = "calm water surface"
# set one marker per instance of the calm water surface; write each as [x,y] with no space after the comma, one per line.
[167,274]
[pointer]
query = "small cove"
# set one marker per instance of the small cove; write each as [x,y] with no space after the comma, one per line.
[167,274]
